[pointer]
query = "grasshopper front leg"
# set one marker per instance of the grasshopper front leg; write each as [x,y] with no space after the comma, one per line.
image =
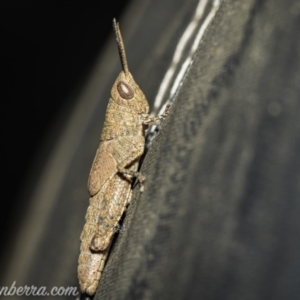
[149,121]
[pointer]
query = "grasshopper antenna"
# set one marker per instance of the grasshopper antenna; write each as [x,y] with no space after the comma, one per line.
[121,47]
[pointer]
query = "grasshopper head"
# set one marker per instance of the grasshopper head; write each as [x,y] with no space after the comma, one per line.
[125,91]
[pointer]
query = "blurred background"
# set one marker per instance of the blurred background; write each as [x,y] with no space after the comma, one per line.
[219,217]
[48,49]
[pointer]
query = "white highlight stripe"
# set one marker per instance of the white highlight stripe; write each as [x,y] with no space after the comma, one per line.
[195,46]
[188,33]
[178,53]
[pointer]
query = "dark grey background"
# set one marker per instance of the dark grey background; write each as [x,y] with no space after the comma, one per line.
[219,218]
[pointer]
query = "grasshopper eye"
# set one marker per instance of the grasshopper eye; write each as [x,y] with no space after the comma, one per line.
[125,90]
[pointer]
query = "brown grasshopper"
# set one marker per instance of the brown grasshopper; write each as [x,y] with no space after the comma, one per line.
[116,162]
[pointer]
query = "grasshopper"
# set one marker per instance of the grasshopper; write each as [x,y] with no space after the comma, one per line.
[115,165]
